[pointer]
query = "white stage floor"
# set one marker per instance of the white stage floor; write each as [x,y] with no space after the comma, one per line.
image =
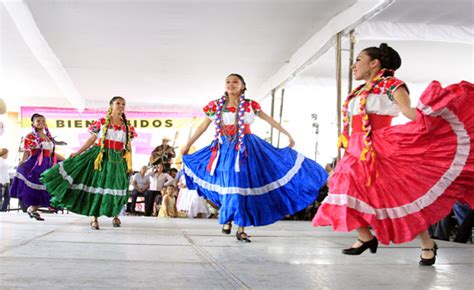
[159,253]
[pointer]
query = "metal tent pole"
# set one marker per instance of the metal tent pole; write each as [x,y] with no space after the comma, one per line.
[339,88]
[272,114]
[351,60]
[281,113]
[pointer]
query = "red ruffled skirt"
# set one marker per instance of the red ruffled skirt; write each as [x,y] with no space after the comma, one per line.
[420,170]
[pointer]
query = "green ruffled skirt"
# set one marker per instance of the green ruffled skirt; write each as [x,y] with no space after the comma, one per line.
[75,185]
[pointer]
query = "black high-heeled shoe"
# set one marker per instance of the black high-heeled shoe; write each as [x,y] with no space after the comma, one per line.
[35,215]
[431,261]
[227,230]
[372,245]
[242,236]
[30,214]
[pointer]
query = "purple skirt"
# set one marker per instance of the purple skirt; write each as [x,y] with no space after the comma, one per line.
[26,185]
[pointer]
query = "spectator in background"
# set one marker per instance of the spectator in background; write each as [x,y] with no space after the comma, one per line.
[163,154]
[158,179]
[173,172]
[4,179]
[465,217]
[141,184]
[189,202]
[329,168]
[158,200]
[168,207]
[458,222]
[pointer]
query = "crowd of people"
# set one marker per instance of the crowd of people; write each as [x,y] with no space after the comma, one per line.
[391,185]
[164,194]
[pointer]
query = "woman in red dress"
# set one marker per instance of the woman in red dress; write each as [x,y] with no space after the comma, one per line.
[399,179]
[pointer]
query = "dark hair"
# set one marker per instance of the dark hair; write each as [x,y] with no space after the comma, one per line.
[37,135]
[388,57]
[114,99]
[174,170]
[155,167]
[125,121]
[240,78]
[34,116]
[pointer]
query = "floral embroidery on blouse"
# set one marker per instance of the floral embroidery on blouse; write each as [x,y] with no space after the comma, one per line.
[387,87]
[30,143]
[211,108]
[95,127]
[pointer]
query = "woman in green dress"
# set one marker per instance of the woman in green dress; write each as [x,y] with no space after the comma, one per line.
[94,180]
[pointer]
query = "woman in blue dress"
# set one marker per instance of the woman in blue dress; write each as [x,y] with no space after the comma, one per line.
[252,182]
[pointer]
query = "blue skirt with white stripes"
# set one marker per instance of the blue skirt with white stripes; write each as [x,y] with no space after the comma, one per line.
[271,183]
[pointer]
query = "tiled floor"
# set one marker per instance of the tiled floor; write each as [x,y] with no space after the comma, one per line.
[63,252]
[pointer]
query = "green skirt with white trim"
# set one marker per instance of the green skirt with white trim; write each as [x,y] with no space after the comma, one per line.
[75,185]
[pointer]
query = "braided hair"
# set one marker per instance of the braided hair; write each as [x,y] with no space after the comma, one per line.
[127,152]
[98,160]
[217,120]
[127,133]
[239,117]
[389,61]
[37,136]
[363,92]
[239,123]
[35,130]
[105,129]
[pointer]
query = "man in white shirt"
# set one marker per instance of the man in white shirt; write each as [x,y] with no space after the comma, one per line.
[141,184]
[4,180]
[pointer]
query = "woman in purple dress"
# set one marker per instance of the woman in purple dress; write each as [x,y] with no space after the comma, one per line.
[38,156]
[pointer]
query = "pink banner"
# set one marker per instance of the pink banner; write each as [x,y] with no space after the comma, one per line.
[92,114]
[71,126]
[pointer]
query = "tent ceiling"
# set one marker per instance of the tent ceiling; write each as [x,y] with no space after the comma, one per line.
[163,51]
[448,61]
[452,12]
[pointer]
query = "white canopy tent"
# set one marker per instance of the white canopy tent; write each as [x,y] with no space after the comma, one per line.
[175,54]
[150,51]
[434,38]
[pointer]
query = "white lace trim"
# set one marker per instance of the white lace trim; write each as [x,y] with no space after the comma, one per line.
[249,191]
[29,183]
[89,189]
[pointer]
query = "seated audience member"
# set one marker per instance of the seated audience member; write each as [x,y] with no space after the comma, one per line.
[457,223]
[168,204]
[4,180]
[159,201]
[141,184]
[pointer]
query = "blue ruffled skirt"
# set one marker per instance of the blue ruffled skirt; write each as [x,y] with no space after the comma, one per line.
[271,184]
